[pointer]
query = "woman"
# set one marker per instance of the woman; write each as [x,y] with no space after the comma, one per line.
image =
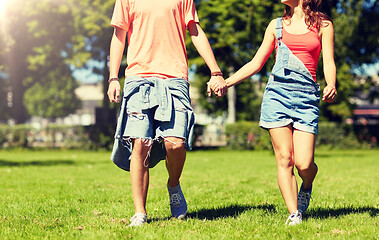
[290,103]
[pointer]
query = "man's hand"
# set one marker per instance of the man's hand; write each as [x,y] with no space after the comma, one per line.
[114,91]
[218,85]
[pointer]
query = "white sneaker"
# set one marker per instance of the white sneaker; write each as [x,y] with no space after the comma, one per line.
[294,219]
[178,204]
[137,220]
[303,199]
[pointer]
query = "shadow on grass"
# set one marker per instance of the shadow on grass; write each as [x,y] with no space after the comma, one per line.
[328,212]
[221,212]
[228,211]
[340,154]
[4,163]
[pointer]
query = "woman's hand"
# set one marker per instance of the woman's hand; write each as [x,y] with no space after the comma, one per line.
[329,94]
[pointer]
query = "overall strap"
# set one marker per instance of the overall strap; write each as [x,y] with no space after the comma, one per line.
[279,28]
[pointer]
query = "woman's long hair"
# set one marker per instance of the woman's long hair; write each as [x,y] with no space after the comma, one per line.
[313,14]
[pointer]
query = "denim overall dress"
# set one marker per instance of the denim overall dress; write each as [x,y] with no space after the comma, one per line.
[291,95]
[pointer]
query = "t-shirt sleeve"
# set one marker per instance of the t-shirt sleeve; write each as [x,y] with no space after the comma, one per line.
[120,16]
[191,14]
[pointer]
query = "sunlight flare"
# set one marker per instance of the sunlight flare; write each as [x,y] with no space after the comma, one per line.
[3,4]
[3,7]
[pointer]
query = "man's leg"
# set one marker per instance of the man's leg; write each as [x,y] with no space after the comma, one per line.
[139,174]
[176,155]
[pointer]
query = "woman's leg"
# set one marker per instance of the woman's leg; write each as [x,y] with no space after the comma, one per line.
[139,173]
[304,146]
[282,143]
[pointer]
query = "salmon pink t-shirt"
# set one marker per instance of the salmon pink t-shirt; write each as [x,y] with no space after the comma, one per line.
[156,35]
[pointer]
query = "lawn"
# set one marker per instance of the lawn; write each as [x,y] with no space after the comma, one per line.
[230,195]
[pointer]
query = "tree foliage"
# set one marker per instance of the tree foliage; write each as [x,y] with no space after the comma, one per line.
[92,39]
[236,28]
[4,107]
[52,89]
[44,41]
[40,34]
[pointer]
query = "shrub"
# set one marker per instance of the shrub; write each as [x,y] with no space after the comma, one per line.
[16,136]
[52,136]
[247,136]
[335,135]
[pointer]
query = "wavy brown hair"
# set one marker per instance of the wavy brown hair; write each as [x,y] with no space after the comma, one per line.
[313,14]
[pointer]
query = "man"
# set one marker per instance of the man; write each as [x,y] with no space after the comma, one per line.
[155,104]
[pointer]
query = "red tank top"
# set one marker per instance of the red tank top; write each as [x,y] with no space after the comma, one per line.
[306,47]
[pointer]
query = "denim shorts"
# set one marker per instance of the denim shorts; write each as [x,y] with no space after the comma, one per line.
[290,102]
[143,125]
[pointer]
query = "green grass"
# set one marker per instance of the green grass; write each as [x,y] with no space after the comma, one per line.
[230,195]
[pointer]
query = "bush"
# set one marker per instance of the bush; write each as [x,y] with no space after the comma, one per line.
[54,136]
[247,136]
[335,135]
[16,136]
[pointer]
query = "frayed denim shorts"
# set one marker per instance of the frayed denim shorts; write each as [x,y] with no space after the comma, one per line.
[293,102]
[143,125]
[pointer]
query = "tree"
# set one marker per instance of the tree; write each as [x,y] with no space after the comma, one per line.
[41,33]
[4,103]
[12,60]
[53,96]
[92,38]
[4,84]
[353,25]
[236,28]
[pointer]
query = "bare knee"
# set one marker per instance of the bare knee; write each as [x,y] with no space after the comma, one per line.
[141,147]
[174,144]
[306,166]
[284,159]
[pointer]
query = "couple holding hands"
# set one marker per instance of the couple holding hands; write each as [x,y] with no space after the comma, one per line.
[156,119]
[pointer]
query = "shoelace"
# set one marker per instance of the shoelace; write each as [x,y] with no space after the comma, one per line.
[135,219]
[304,197]
[175,199]
[294,217]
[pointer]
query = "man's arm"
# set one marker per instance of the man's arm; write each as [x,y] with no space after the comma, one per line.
[201,43]
[116,51]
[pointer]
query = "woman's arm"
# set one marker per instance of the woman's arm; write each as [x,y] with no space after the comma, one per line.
[260,58]
[116,51]
[201,43]
[327,40]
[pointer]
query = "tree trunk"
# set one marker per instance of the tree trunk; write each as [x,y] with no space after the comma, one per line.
[231,105]
[18,111]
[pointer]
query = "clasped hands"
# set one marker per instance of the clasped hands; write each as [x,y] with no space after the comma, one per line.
[218,85]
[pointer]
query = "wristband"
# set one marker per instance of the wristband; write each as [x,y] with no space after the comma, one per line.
[113,79]
[219,73]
